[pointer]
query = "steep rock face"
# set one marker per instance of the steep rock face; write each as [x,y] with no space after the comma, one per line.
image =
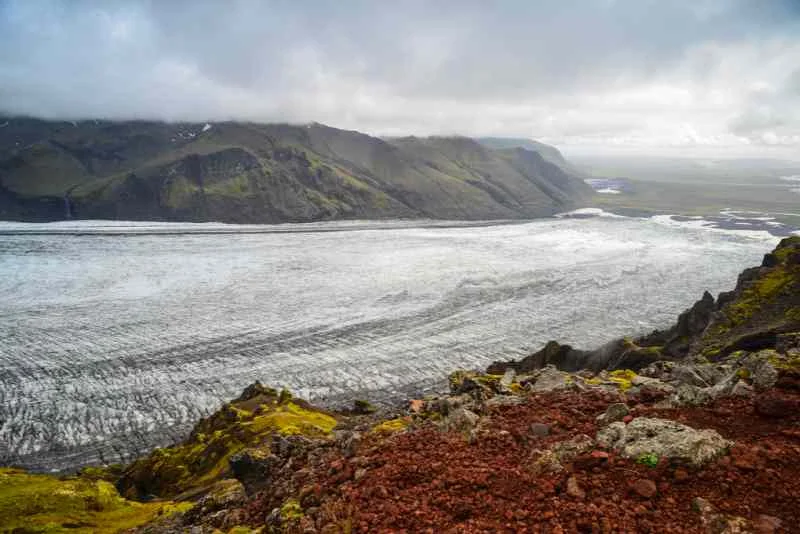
[757,314]
[764,305]
[241,172]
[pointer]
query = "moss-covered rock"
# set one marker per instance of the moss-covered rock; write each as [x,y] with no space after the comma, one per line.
[392,426]
[762,307]
[362,407]
[203,458]
[623,378]
[41,503]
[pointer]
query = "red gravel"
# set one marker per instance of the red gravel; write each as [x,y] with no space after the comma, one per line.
[430,481]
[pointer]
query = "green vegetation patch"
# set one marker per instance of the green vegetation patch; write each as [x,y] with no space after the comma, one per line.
[649,459]
[392,425]
[235,186]
[785,362]
[42,503]
[291,511]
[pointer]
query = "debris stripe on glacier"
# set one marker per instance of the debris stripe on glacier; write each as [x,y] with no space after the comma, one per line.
[115,345]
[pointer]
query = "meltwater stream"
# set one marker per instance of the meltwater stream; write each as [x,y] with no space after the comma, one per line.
[117,337]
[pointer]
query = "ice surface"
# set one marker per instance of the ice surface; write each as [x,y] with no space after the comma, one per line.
[118,336]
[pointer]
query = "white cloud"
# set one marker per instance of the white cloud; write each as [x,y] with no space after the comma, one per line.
[640,75]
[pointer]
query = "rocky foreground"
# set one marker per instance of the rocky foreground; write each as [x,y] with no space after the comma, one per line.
[694,429]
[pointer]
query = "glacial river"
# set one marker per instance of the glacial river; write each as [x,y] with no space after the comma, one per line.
[117,337]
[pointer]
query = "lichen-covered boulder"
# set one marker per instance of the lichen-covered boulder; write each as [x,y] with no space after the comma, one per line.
[551,379]
[718,523]
[615,412]
[460,420]
[701,375]
[689,395]
[224,494]
[255,467]
[477,385]
[544,462]
[568,450]
[761,372]
[665,439]
[505,400]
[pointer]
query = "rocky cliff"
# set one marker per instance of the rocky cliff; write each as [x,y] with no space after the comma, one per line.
[756,314]
[268,173]
[703,436]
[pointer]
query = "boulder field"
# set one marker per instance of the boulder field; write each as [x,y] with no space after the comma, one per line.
[700,433]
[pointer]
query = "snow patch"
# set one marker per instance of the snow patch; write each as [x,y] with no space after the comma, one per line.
[588,212]
[206,128]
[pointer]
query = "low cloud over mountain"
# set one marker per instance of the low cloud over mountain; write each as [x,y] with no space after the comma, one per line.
[716,75]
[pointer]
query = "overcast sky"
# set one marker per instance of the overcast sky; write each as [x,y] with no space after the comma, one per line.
[662,76]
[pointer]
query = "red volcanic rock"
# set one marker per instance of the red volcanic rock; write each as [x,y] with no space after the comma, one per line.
[681,475]
[593,459]
[574,490]
[766,524]
[775,404]
[644,488]
[429,480]
[540,430]
[746,459]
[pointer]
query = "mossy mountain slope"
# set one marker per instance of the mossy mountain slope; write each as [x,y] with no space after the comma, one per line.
[266,173]
[31,503]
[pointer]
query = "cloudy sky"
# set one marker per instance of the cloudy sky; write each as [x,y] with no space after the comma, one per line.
[696,76]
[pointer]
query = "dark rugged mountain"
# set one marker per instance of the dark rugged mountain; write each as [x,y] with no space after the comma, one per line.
[245,172]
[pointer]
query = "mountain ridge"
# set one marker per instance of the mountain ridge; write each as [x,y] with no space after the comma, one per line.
[267,173]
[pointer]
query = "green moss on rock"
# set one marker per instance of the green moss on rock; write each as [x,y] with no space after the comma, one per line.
[623,378]
[392,425]
[363,407]
[203,458]
[42,503]
[291,511]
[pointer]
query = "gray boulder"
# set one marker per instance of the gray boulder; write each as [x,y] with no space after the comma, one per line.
[762,373]
[460,420]
[567,451]
[689,395]
[701,375]
[664,438]
[505,400]
[224,494]
[255,467]
[551,379]
[615,412]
